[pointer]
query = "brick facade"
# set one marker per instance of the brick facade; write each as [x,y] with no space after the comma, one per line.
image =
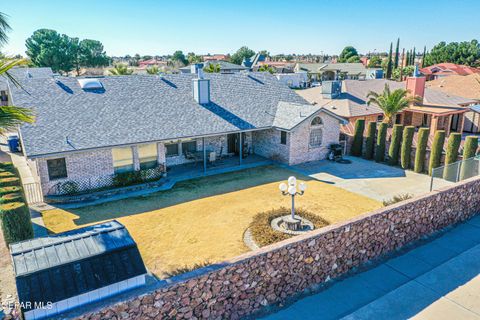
[244,285]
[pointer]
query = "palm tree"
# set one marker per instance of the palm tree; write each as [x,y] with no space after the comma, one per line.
[10,116]
[212,68]
[120,69]
[391,102]
[4,28]
[153,70]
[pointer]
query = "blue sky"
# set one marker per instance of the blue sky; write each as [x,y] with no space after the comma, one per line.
[161,27]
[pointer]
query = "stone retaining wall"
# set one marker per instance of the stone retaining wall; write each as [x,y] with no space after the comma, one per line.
[244,285]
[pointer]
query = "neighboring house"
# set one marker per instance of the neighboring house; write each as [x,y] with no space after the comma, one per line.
[92,128]
[151,62]
[437,111]
[279,66]
[216,57]
[67,270]
[225,67]
[442,70]
[333,71]
[462,86]
[293,80]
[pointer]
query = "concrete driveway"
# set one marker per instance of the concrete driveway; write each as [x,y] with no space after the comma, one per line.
[437,280]
[368,178]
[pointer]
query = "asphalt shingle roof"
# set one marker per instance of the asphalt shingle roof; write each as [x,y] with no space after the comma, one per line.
[134,109]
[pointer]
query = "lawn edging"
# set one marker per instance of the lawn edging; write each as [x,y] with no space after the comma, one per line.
[243,285]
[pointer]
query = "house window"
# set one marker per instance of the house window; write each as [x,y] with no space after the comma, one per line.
[57,168]
[147,155]
[316,132]
[380,118]
[171,149]
[122,159]
[283,137]
[189,146]
[425,120]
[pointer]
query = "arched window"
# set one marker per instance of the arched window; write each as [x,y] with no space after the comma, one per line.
[316,132]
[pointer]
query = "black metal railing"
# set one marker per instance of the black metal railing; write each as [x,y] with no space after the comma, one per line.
[100,183]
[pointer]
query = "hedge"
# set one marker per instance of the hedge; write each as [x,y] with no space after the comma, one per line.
[370,140]
[421,152]
[357,143]
[4,190]
[11,197]
[394,149]
[381,140]
[437,150]
[10,181]
[16,225]
[406,151]
[450,172]
[469,167]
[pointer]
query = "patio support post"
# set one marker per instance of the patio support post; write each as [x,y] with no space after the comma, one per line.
[204,156]
[241,147]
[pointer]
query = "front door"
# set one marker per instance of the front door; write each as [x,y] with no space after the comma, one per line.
[454,123]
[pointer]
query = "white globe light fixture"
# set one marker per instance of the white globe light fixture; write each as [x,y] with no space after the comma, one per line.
[291,190]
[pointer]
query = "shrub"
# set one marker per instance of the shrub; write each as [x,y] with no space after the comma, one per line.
[450,172]
[394,149]
[357,143]
[407,146]
[469,167]
[262,232]
[381,140]
[421,151]
[437,150]
[10,189]
[370,140]
[6,174]
[11,197]
[16,224]
[397,198]
[127,178]
[10,181]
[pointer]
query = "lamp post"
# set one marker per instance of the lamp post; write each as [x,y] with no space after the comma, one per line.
[291,190]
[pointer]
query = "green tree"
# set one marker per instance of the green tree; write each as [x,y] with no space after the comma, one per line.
[421,151]
[92,54]
[414,55]
[394,149]
[357,143]
[370,140]
[469,167]
[398,73]
[4,28]
[466,52]
[240,54]
[453,144]
[397,53]
[436,151]
[406,151]
[381,141]
[347,53]
[391,102]
[389,63]
[153,70]
[266,68]
[11,116]
[212,68]
[193,58]
[374,62]
[120,69]
[179,57]
[407,59]
[424,55]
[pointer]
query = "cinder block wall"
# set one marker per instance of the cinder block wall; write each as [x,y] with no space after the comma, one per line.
[242,286]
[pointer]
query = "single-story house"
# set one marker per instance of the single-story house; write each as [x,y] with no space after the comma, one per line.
[438,110]
[225,67]
[293,80]
[442,70]
[61,272]
[91,128]
[333,71]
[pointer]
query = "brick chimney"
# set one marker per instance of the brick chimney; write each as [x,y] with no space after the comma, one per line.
[416,84]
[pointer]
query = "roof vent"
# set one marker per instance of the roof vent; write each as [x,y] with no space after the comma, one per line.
[90,83]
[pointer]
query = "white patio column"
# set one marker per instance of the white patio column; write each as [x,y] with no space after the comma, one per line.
[204,156]
[136,160]
[241,147]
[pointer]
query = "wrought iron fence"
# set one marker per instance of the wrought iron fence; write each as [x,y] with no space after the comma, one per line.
[118,180]
[455,172]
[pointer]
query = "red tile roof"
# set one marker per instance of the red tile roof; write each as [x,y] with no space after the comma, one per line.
[449,68]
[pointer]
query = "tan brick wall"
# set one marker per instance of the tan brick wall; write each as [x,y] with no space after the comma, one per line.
[266,143]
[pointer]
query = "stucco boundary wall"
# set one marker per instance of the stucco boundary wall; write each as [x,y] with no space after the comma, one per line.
[244,285]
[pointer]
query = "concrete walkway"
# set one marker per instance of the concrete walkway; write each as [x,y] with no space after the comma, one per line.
[368,178]
[438,280]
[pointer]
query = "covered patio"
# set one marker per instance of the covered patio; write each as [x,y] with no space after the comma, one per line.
[450,119]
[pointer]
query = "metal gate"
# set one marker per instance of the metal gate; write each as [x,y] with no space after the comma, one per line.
[33,193]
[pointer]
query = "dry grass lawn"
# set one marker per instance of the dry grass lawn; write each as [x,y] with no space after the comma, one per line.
[204,219]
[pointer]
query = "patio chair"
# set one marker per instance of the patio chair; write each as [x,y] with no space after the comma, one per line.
[191,156]
[212,158]
[221,155]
